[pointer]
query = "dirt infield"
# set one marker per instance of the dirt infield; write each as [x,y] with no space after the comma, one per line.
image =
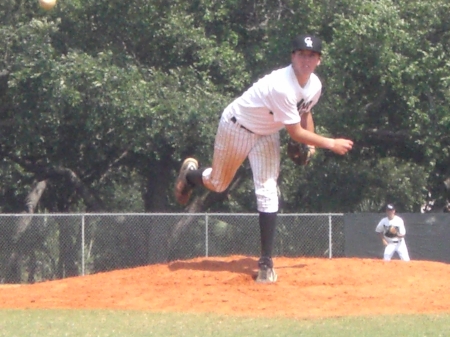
[306,288]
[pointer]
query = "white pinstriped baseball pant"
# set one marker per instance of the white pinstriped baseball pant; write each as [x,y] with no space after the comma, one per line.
[233,144]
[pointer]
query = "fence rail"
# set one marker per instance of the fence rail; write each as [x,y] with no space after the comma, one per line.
[40,247]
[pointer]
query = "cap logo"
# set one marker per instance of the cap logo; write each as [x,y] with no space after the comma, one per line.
[308,42]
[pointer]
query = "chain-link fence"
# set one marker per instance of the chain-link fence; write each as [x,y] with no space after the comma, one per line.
[40,247]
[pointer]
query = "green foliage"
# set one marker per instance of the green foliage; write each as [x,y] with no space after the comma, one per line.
[119,92]
[337,185]
[384,76]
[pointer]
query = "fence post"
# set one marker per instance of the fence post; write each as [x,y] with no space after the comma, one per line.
[330,237]
[206,235]
[82,245]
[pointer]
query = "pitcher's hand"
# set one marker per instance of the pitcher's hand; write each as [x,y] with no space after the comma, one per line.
[342,146]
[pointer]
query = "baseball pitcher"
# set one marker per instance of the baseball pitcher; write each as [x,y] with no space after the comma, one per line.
[249,128]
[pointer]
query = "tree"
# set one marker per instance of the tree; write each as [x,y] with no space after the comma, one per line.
[107,97]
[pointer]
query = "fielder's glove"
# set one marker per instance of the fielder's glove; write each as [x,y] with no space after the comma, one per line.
[392,232]
[299,153]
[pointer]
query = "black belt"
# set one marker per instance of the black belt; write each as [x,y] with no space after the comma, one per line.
[234,120]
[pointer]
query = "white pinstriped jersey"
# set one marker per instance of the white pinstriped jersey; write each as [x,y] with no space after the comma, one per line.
[275,100]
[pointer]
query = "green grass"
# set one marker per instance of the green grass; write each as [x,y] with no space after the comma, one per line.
[102,323]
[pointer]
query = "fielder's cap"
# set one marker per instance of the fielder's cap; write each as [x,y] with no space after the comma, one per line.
[307,42]
[390,207]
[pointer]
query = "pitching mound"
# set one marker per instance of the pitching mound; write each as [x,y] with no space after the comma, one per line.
[306,288]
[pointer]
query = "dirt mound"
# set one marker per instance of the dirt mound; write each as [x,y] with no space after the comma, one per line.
[306,288]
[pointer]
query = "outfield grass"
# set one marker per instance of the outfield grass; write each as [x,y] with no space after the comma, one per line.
[102,323]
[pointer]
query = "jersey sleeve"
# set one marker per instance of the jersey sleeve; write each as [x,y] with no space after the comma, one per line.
[380,227]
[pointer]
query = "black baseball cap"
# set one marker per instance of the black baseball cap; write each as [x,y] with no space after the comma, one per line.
[307,42]
[390,207]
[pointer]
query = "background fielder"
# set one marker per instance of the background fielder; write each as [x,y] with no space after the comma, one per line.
[249,128]
[392,232]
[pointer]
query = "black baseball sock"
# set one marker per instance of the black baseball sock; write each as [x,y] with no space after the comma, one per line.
[194,177]
[267,224]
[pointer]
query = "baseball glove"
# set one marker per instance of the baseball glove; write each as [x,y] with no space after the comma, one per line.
[299,153]
[392,232]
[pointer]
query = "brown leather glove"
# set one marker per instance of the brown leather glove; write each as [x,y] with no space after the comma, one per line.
[299,153]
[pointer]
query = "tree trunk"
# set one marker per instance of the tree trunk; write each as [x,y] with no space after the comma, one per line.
[13,272]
